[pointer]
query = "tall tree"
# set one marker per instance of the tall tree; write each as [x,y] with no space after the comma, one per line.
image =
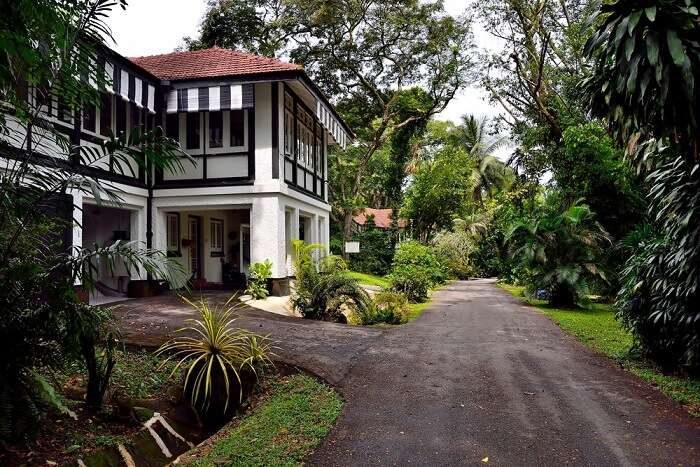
[369,50]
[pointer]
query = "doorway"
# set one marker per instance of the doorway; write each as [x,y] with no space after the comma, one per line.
[195,231]
[245,248]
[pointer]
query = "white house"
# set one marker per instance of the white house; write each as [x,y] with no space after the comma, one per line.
[259,131]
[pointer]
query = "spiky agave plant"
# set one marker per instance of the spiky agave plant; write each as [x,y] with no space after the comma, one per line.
[213,347]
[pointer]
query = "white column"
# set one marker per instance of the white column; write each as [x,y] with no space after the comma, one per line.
[267,233]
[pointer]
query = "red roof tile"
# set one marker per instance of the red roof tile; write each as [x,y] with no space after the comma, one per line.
[209,63]
[382,217]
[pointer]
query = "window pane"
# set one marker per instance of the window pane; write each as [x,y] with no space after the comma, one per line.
[121,116]
[216,129]
[193,130]
[172,126]
[89,117]
[105,114]
[173,232]
[135,116]
[237,128]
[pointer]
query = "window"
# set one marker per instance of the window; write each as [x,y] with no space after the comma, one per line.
[288,125]
[105,114]
[318,152]
[237,128]
[216,129]
[65,113]
[305,138]
[173,233]
[135,117]
[121,116]
[89,116]
[217,237]
[172,126]
[192,131]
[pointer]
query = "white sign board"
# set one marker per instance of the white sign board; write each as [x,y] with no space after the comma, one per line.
[352,247]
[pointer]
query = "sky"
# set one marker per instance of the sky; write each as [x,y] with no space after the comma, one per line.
[149,27]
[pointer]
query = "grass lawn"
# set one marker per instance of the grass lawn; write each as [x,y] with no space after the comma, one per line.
[295,416]
[597,328]
[370,279]
[415,309]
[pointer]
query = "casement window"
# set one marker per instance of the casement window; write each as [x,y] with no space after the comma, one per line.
[105,114]
[215,129]
[121,116]
[135,117]
[318,151]
[89,117]
[65,113]
[172,126]
[288,124]
[173,234]
[305,138]
[192,140]
[216,237]
[237,128]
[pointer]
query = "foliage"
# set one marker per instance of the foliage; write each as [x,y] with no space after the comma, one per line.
[257,283]
[645,83]
[661,284]
[291,420]
[369,279]
[323,289]
[415,269]
[216,352]
[646,63]
[387,307]
[454,249]
[559,250]
[376,251]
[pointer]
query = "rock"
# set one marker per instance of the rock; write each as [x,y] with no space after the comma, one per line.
[142,414]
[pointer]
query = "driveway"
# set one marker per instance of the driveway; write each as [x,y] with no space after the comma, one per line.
[480,375]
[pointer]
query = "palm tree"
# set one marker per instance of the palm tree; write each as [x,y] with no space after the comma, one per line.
[490,174]
[560,251]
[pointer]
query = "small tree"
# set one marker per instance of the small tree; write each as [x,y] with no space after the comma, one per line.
[257,283]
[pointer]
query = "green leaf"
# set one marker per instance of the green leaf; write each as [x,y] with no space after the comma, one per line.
[652,49]
[650,12]
[634,19]
[629,48]
[675,46]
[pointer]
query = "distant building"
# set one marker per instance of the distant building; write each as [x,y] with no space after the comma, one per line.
[379,218]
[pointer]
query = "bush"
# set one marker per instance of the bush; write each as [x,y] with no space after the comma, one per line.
[257,283]
[387,307]
[376,252]
[323,289]
[454,249]
[415,270]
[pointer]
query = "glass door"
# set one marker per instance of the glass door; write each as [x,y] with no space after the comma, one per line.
[195,253]
[245,248]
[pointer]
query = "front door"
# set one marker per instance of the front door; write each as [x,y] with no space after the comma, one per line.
[195,228]
[245,248]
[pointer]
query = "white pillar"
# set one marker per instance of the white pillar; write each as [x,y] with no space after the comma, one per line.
[266,230]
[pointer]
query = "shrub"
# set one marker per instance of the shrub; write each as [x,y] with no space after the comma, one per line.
[218,357]
[257,284]
[376,251]
[415,270]
[387,307]
[323,289]
[454,250]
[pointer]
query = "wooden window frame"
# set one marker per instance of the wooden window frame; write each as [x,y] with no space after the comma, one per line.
[220,251]
[172,253]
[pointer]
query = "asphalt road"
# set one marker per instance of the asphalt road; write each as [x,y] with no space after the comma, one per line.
[481,375]
[478,375]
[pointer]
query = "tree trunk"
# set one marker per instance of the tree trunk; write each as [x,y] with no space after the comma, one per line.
[347,231]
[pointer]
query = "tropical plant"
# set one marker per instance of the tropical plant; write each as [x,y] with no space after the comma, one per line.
[560,251]
[323,289]
[257,283]
[376,251]
[48,51]
[215,354]
[645,83]
[415,270]
[387,307]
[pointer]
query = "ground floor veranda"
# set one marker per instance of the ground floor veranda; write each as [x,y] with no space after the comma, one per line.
[214,237]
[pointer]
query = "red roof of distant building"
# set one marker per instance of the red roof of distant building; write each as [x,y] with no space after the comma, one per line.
[382,217]
[210,63]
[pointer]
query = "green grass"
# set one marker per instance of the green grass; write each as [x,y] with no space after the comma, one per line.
[415,309]
[296,415]
[598,329]
[369,279]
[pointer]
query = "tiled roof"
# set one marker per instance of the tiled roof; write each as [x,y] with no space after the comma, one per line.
[209,63]
[382,217]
